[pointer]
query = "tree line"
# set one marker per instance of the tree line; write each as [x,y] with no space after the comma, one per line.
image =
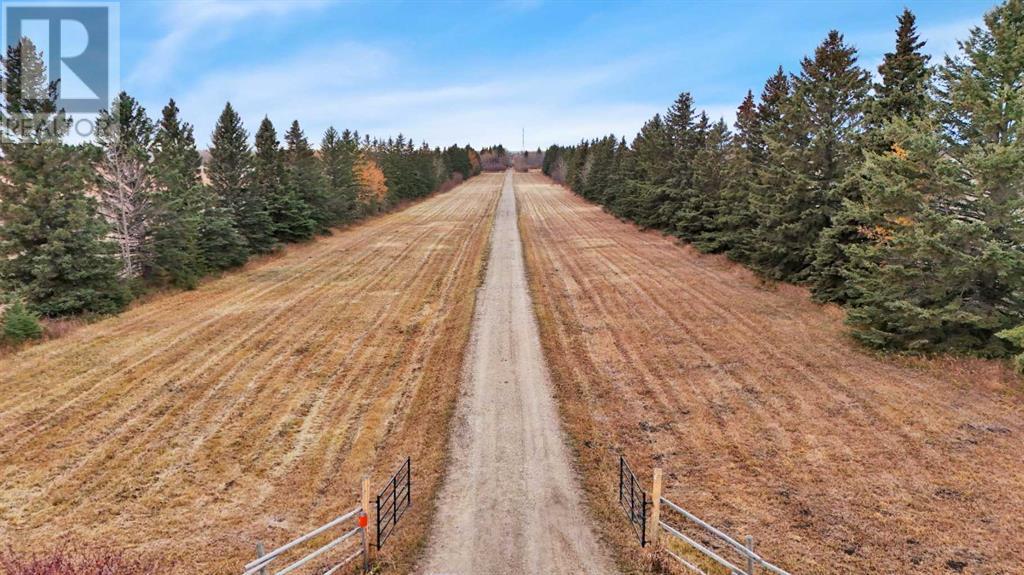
[86,227]
[899,197]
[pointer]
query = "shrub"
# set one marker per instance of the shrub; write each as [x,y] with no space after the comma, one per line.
[1016,337]
[20,324]
[72,562]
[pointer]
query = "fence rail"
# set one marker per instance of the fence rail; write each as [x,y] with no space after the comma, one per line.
[751,559]
[393,501]
[262,563]
[634,501]
[629,492]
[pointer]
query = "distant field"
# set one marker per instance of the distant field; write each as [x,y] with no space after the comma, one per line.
[765,417]
[249,409]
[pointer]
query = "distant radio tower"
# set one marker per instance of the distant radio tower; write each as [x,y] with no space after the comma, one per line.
[524,139]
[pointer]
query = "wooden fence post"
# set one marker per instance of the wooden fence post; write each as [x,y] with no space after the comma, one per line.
[260,552]
[365,502]
[750,560]
[656,510]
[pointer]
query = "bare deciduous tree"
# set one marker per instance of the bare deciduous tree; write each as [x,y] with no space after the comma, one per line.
[125,135]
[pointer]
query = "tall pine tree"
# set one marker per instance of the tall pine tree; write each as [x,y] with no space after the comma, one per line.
[229,171]
[822,144]
[54,251]
[902,93]
[338,155]
[291,215]
[304,179]
[737,219]
[196,233]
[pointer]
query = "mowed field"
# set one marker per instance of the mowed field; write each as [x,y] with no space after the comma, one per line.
[192,426]
[765,417]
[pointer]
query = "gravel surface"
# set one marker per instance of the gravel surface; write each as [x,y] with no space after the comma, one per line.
[511,502]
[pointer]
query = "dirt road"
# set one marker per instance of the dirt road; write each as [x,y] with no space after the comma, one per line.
[194,425]
[766,418]
[510,502]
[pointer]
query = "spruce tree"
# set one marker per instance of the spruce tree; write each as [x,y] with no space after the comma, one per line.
[176,215]
[905,77]
[601,163]
[982,105]
[623,170]
[920,279]
[54,251]
[229,171]
[653,155]
[711,176]
[678,200]
[903,93]
[338,155]
[785,132]
[20,324]
[291,215]
[457,160]
[825,117]
[304,179]
[195,232]
[737,219]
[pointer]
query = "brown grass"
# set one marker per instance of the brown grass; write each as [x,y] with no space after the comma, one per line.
[766,418]
[248,410]
[72,561]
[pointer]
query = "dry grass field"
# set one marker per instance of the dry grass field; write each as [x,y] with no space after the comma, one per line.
[194,425]
[766,418]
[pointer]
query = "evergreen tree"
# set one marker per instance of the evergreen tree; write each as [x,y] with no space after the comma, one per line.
[304,179]
[711,176]
[338,155]
[825,116]
[601,163]
[54,251]
[905,77]
[293,221]
[176,215]
[623,170]
[982,104]
[785,136]
[737,219]
[679,201]
[457,160]
[922,279]
[903,93]
[194,233]
[653,155]
[20,324]
[229,171]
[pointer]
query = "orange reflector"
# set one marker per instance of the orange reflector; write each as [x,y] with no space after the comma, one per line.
[363,520]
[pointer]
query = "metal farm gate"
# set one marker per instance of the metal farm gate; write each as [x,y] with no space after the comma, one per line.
[393,501]
[318,552]
[633,500]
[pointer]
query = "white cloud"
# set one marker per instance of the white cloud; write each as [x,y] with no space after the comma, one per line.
[205,22]
[942,39]
[360,87]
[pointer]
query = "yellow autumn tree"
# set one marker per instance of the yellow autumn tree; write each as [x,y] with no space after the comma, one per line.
[373,187]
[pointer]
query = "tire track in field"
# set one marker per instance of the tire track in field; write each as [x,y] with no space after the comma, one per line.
[250,407]
[787,431]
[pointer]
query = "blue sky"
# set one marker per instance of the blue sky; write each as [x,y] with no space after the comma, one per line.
[478,72]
